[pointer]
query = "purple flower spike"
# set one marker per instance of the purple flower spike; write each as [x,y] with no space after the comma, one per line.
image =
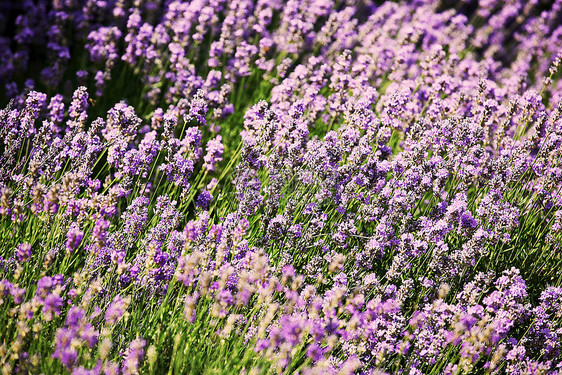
[203,200]
[23,252]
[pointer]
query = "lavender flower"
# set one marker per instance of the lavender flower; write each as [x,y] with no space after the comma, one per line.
[23,252]
[74,237]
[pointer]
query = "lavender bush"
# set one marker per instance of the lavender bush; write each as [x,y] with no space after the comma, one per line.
[302,186]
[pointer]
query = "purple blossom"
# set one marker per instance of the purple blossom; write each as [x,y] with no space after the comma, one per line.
[74,237]
[215,150]
[23,252]
[204,199]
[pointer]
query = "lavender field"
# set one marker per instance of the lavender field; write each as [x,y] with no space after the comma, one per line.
[280,187]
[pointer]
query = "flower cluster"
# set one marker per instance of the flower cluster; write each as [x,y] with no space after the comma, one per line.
[302,186]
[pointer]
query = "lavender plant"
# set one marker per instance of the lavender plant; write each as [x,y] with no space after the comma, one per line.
[302,186]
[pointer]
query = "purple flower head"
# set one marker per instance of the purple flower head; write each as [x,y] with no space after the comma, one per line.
[133,356]
[467,221]
[198,108]
[17,293]
[192,137]
[77,109]
[214,154]
[99,233]
[75,317]
[203,200]
[74,237]
[64,351]
[46,284]
[314,352]
[135,217]
[196,228]
[35,102]
[178,170]
[52,305]
[23,252]
[122,121]
[102,44]
[261,345]
[116,309]
[56,109]
[296,230]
